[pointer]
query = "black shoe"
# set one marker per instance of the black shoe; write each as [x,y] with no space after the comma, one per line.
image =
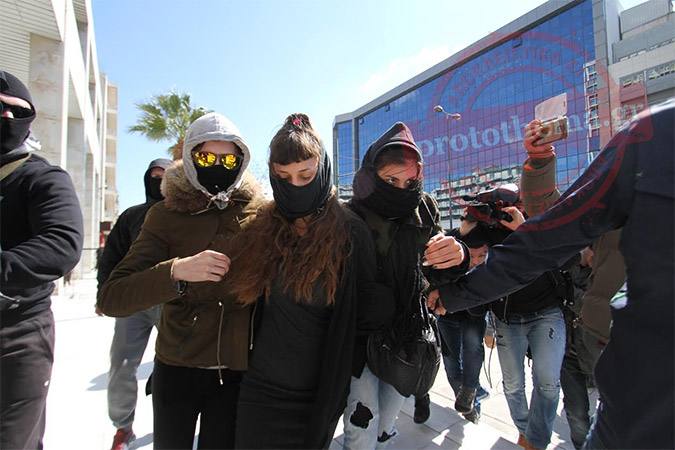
[422,411]
[472,416]
[465,400]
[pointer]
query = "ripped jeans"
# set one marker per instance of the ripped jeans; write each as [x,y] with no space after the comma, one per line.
[370,415]
[545,335]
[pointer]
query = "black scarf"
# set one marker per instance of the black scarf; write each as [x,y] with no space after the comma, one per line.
[397,224]
[386,200]
[299,201]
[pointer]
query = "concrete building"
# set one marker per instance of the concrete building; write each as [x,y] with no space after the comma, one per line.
[644,58]
[50,46]
[582,48]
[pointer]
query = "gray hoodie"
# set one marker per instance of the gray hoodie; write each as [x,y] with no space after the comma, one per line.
[214,127]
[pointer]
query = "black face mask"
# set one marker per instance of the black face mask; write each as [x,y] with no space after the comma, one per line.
[13,131]
[216,178]
[300,201]
[153,189]
[384,199]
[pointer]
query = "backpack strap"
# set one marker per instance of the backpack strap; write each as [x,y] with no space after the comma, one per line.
[11,167]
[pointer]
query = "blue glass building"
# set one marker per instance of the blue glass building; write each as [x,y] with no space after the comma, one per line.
[495,84]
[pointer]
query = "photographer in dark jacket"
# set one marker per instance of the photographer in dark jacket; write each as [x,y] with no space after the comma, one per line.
[528,318]
[41,234]
[131,333]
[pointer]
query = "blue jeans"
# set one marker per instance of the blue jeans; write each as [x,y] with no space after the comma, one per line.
[545,335]
[464,337]
[370,415]
[126,352]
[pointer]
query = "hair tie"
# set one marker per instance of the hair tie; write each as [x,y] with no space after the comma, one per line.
[297,122]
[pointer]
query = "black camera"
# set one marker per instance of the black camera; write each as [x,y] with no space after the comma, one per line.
[486,207]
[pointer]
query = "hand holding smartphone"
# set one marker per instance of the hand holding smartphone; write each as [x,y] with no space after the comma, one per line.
[553,130]
[555,124]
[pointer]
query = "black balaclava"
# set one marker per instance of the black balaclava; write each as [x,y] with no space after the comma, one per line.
[300,201]
[153,192]
[376,194]
[216,178]
[13,131]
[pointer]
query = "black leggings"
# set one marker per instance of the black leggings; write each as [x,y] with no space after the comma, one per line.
[181,394]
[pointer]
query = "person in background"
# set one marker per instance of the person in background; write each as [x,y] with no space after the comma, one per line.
[528,318]
[41,236]
[630,184]
[412,251]
[179,260]
[463,333]
[308,265]
[131,333]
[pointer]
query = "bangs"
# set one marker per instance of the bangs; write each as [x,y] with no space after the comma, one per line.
[293,148]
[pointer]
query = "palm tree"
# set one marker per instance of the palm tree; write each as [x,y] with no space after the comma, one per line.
[167,117]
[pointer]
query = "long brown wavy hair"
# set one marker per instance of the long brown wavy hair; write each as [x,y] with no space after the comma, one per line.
[270,246]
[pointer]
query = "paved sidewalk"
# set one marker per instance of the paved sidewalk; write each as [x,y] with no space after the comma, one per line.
[77,408]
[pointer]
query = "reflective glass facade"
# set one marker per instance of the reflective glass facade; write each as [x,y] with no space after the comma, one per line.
[496,91]
[347,161]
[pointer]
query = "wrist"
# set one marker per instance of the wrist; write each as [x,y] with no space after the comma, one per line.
[173,267]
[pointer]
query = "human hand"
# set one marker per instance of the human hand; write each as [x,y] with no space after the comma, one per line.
[490,341]
[465,226]
[208,265]
[587,257]
[434,303]
[533,132]
[98,311]
[516,215]
[443,252]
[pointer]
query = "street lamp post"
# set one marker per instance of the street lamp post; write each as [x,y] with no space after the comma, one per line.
[439,108]
[455,116]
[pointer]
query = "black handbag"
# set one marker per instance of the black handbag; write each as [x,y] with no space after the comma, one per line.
[407,355]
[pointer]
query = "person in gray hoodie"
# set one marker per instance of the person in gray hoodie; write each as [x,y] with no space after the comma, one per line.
[180,260]
[131,333]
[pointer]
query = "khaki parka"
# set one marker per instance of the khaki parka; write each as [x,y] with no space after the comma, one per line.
[204,327]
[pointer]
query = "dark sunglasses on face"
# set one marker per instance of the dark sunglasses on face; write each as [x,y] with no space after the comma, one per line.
[19,112]
[208,159]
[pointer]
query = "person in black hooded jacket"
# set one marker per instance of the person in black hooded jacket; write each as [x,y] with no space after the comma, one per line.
[412,250]
[41,235]
[131,333]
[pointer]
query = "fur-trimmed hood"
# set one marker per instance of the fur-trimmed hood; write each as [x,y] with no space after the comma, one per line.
[182,196]
[214,127]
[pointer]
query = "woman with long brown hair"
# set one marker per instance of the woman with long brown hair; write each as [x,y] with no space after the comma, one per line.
[308,265]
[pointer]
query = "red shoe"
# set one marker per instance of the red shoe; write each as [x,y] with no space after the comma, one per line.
[123,440]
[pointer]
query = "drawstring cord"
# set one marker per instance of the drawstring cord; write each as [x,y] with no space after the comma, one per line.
[220,329]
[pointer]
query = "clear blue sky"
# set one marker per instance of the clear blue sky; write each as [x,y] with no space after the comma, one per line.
[257,61]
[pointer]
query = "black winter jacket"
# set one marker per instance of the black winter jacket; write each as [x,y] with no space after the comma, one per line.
[41,236]
[429,220]
[127,228]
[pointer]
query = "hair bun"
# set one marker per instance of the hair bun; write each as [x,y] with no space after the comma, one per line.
[298,120]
